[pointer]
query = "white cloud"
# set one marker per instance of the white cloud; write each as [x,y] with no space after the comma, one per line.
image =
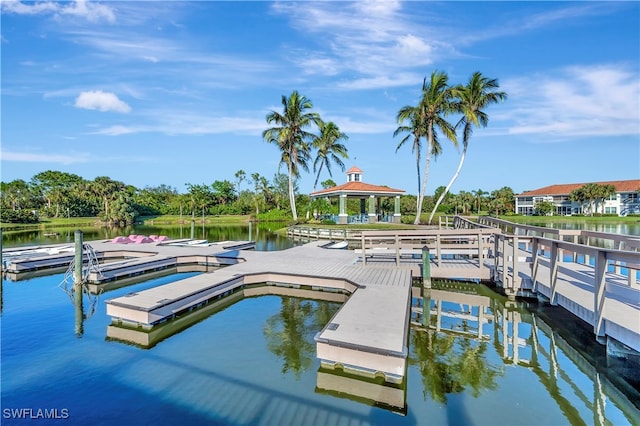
[381,81]
[116,131]
[93,12]
[173,123]
[577,101]
[368,38]
[20,8]
[28,157]
[102,101]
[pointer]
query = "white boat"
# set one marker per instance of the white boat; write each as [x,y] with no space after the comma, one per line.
[340,245]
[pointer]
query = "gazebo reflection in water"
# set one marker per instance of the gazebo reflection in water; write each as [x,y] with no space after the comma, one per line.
[370,197]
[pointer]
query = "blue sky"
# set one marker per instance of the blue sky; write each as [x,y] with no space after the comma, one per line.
[160,92]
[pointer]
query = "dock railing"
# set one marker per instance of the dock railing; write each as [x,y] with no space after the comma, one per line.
[313,232]
[474,243]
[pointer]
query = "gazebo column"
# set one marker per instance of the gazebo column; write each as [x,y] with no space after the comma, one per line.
[373,217]
[342,217]
[396,212]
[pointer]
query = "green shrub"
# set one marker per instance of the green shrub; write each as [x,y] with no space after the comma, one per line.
[18,216]
[274,216]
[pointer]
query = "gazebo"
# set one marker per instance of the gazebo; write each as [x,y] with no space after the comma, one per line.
[356,188]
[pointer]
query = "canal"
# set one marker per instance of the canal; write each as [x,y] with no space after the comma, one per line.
[474,358]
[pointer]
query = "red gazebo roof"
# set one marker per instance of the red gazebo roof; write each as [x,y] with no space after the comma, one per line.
[358,188]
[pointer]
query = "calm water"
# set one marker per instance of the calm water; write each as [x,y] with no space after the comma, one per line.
[263,234]
[627,228]
[252,361]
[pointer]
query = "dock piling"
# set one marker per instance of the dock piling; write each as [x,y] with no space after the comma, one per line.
[77,272]
[426,267]
[77,282]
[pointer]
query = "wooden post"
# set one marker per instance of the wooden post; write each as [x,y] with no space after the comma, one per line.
[514,337]
[553,272]
[193,225]
[534,264]
[77,282]
[77,272]
[599,295]
[497,254]
[480,251]
[79,311]
[364,255]
[515,262]
[397,250]
[426,307]
[426,267]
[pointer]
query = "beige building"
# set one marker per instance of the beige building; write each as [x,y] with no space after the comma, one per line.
[625,201]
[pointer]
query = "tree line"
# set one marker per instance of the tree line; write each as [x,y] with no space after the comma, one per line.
[56,194]
[299,133]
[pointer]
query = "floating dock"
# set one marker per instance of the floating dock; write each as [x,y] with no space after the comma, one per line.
[368,335]
[119,261]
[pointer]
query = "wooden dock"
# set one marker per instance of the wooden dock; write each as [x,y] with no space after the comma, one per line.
[119,261]
[368,335]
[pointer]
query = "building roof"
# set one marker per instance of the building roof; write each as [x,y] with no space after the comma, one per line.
[565,189]
[358,188]
[354,169]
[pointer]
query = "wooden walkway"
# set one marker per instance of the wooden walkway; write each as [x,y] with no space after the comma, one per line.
[368,334]
[585,280]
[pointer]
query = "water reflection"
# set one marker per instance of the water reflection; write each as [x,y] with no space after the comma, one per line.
[147,338]
[217,368]
[369,391]
[289,333]
[77,294]
[452,332]
[263,234]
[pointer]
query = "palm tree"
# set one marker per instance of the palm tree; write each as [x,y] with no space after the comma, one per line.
[107,190]
[415,128]
[434,106]
[292,139]
[329,149]
[479,93]
[466,201]
[479,194]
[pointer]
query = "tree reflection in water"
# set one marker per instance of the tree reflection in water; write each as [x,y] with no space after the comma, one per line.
[451,364]
[290,332]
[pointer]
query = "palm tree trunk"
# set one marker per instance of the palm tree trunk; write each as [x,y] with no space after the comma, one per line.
[453,179]
[292,198]
[317,177]
[424,176]
[418,171]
